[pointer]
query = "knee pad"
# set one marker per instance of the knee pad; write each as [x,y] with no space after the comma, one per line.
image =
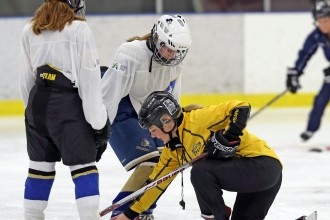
[138,177]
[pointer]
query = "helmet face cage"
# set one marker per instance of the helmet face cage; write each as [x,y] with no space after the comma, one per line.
[156,105]
[174,33]
[321,9]
[179,56]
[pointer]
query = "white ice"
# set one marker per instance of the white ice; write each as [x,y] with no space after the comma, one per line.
[305,188]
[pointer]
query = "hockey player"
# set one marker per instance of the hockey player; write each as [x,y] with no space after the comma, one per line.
[60,84]
[237,161]
[140,66]
[318,37]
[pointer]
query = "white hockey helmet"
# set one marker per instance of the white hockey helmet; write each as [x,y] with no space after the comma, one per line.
[79,6]
[174,33]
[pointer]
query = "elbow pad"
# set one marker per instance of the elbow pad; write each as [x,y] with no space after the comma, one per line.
[238,119]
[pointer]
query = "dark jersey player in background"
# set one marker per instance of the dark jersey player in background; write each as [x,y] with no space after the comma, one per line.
[319,37]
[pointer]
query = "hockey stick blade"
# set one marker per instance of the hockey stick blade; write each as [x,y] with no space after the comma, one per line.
[151,185]
[319,148]
[312,216]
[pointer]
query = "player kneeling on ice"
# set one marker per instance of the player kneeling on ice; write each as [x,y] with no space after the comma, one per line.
[237,160]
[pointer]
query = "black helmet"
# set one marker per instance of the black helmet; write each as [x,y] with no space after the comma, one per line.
[321,9]
[155,106]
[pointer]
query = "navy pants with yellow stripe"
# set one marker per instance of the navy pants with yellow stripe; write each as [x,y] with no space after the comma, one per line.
[56,130]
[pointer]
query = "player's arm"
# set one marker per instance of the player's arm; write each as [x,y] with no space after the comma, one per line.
[89,78]
[229,119]
[166,164]
[309,48]
[237,120]
[118,79]
[26,75]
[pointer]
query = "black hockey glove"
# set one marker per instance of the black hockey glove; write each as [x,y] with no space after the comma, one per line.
[326,71]
[292,80]
[219,147]
[101,140]
[103,70]
[326,75]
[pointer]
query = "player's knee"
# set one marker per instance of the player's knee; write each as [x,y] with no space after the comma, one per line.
[196,172]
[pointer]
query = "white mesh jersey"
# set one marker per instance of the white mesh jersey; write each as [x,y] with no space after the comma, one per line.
[128,74]
[73,52]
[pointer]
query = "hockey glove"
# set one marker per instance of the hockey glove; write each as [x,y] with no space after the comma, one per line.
[326,75]
[101,140]
[292,80]
[219,147]
[103,70]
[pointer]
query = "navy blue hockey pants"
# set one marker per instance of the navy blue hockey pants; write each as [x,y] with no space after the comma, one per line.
[256,180]
[320,102]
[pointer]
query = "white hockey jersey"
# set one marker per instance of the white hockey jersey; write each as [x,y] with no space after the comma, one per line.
[128,74]
[73,51]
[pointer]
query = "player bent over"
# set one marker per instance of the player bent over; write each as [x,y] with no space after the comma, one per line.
[238,161]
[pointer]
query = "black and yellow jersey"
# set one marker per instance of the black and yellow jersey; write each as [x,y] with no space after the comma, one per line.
[194,131]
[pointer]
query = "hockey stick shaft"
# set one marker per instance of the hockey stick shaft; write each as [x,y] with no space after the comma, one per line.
[151,185]
[268,103]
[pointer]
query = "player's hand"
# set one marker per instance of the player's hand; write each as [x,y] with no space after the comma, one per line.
[101,139]
[292,80]
[219,147]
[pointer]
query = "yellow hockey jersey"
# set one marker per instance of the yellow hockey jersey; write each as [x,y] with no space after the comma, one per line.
[194,131]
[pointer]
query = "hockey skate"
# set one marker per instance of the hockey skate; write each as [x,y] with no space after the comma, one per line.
[228,214]
[145,217]
[305,136]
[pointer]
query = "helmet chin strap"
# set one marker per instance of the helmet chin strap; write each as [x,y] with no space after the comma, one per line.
[169,132]
[174,142]
[151,47]
[78,9]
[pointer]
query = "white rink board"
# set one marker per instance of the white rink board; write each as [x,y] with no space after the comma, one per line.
[230,53]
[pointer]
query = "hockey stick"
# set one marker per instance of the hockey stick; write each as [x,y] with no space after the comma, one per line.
[312,216]
[268,103]
[151,185]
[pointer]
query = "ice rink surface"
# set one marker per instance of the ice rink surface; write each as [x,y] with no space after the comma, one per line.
[305,187]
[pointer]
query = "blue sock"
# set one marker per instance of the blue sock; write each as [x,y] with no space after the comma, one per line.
[38,189]
[122,208]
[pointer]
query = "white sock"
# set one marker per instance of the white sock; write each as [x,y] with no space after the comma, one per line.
[34,209]
[88,208]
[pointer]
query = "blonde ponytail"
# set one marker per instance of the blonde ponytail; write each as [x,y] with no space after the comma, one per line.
[191,107]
